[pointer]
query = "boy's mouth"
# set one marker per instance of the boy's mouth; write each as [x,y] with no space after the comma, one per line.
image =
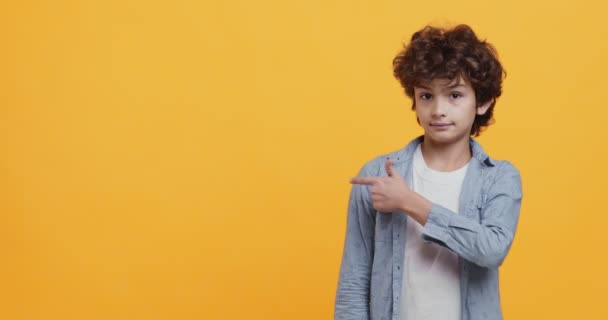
[440,124]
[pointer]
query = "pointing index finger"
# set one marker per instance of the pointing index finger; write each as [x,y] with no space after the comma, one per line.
[364,180]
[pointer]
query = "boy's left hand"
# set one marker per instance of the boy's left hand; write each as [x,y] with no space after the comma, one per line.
[389,193]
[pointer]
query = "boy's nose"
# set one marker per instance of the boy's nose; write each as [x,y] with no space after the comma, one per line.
[438,109]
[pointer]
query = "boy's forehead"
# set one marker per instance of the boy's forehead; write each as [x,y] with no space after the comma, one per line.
[443,82]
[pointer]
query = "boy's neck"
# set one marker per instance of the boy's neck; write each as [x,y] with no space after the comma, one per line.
[446,157]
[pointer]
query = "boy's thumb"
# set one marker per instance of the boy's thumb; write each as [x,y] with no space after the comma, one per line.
[388,166]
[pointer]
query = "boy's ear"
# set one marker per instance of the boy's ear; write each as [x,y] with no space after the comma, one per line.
[482,109]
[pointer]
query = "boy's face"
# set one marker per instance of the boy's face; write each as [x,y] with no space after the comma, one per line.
[446,109]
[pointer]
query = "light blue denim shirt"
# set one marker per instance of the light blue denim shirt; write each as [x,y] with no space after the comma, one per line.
[369,285]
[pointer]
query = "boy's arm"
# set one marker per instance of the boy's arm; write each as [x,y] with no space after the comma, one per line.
[484,242]
[352,297]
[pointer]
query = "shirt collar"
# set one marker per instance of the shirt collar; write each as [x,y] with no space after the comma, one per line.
[476,150]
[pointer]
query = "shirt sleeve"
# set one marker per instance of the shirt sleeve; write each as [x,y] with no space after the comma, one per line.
[352,297]
[484,242]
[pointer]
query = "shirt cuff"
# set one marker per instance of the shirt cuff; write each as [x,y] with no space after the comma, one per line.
[436,228]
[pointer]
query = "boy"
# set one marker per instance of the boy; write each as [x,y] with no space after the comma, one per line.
[428,225]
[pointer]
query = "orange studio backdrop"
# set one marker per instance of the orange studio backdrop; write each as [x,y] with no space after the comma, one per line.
[190,159]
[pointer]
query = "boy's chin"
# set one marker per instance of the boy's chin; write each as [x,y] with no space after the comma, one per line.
[443,137]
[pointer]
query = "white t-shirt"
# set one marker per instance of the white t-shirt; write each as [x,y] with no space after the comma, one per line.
[431,274]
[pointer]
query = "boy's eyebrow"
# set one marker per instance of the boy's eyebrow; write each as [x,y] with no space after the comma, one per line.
[460,84]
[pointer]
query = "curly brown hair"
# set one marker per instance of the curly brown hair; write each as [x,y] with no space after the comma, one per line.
[451,53]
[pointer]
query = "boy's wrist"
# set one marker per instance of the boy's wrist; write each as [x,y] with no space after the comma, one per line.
[417,207]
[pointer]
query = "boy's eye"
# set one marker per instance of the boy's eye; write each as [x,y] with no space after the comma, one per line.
[425,96]
[455,95]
